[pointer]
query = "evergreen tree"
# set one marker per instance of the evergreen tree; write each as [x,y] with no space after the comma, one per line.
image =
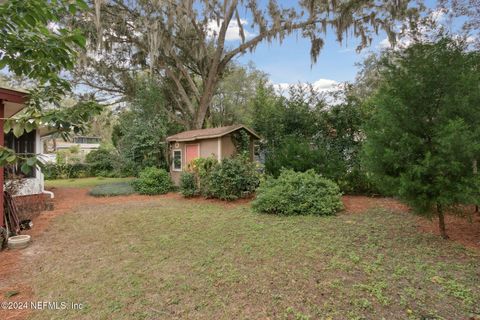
[423,136]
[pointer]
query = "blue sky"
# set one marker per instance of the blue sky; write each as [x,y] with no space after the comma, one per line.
[290,61]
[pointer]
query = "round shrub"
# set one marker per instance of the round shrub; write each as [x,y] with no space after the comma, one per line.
[188,184]
[230,179]
[153,180]
[298,193]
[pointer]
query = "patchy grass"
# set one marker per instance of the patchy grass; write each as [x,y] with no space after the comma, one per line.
[112,189]
[171,259]
[83,182]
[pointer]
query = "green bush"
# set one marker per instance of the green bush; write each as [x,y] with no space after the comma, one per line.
[50,171]
[201,168]
[101,161]
[298,193]
[112,189]
[230,179]
[188,184]
[153,180]
[65,171]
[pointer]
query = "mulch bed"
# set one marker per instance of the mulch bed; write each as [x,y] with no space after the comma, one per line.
[464,231]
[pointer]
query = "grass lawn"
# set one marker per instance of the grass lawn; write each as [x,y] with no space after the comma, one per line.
[178,259]
[83,182]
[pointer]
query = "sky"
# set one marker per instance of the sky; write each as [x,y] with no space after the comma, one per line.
[290,63]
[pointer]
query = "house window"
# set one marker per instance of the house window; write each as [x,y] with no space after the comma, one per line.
[177,160]
[82,140]
[24,146]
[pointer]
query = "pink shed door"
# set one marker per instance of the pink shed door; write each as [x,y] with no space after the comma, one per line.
[192,152]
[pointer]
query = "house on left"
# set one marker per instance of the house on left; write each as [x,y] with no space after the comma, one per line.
[30,194]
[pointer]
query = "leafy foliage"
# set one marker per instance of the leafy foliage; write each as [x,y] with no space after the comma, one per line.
[201,168]
[152,180]
[188,184]
[101,161]
[231,179]
[183,47]
[297,193]
[30,47]
[141,131]
[65,171]
[300,133]
[423,137]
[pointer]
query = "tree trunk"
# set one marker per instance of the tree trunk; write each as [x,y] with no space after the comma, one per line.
[441,222]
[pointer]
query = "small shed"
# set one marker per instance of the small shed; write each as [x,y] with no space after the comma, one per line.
[220,143]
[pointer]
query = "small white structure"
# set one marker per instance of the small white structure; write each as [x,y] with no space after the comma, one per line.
[28,143]
[84,144]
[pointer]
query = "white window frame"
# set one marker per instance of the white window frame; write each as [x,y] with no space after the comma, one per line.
[173,160]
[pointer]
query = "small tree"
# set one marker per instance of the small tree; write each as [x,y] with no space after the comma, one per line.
[423,136]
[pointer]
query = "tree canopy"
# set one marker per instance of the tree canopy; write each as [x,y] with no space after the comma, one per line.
[186,41]
[35,45]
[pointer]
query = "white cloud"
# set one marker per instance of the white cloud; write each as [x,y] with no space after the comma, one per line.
[325,84]
[233,30]
[321,85]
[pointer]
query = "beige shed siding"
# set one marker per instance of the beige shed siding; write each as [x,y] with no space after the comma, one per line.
[208,148]
[176,174]
[228,148]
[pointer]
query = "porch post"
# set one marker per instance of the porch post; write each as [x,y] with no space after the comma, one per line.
[2,142]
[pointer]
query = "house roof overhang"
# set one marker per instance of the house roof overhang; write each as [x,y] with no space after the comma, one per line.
[13,100]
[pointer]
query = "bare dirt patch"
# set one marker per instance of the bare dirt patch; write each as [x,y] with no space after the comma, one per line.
[464,230]
[360,204]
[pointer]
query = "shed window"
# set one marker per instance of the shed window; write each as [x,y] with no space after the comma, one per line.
[177,160]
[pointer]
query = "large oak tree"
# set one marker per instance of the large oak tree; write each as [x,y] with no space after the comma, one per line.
[187,42]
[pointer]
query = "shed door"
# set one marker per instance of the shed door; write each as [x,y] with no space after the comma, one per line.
[192,152]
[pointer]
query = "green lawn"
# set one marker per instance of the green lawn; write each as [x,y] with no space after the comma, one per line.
[179,259]
[83,182]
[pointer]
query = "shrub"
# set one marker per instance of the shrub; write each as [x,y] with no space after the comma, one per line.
[188,184]
[201,168]
[296,193]
[100,161]
[50,171]
[152,180]
[230,179]
[112,189]
[65,171]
